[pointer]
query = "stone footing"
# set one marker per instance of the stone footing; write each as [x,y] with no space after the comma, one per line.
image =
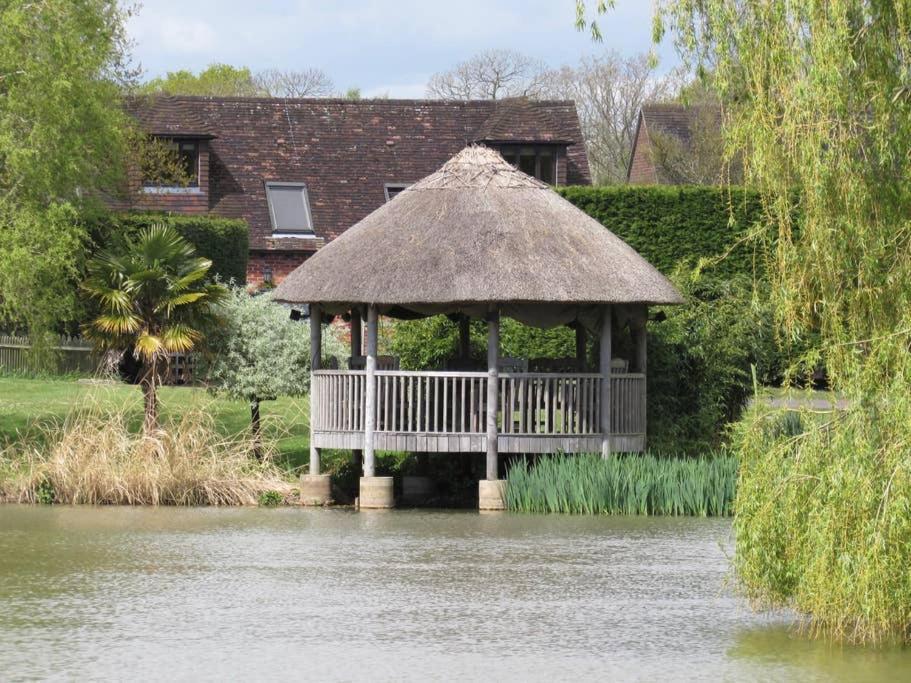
[376,493]
[492,494]
[417,489]
[316,489]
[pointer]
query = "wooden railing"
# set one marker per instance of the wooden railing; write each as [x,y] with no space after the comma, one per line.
[543,403]
[455,403]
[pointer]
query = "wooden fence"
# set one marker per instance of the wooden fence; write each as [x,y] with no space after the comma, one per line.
[70,355]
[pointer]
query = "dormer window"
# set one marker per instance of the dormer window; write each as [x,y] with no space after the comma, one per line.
[170,165]
[539,161]
[188,154]
[392,190]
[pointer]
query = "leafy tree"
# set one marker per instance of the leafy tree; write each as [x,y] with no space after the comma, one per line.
[154,301]
[62,144]
[220,80]
[257,352]
[819,111]
[490,75]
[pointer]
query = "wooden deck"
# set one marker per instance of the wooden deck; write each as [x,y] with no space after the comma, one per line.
[446,411]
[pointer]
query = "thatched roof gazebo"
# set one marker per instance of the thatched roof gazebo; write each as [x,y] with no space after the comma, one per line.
[479,239]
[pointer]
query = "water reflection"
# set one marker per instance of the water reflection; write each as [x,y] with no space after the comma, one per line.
[416,595]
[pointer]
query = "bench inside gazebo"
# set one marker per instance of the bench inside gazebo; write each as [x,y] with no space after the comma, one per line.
[478,239]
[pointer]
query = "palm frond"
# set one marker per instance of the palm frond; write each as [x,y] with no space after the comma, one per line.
[179,338]
[147,346]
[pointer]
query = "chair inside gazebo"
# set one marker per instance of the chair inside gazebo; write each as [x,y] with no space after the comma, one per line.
[543,405]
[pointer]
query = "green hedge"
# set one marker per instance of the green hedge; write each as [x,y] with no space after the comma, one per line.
[225,241]
[668,225]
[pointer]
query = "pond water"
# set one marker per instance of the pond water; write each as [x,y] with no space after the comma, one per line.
[180,594]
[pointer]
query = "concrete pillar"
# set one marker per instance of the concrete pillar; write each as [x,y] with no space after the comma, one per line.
[493,357]
[316,346]
[376,493]
[604,364]
[357,335]
[315,489]
[370,393]
[581,339]
[464,336]
[492,494]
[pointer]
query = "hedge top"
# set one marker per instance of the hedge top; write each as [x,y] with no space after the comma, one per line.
[475,233]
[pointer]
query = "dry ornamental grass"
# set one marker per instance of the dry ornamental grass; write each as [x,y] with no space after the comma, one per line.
[95,458]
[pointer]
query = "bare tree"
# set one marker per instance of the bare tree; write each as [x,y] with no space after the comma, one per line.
[609,91]
[490,75]
[289,83]
[699,158]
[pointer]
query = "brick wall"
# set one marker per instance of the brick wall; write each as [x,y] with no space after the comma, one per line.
[642,168]
[279,263]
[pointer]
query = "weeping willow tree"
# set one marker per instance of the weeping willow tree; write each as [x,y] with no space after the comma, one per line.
[817,100]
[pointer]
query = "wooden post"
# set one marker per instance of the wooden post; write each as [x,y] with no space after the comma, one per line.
[493,357]
[464,336]
[641,338]
[316,346]
[604,360]
[357,336]
[370,393]
[580,346]
[356,332]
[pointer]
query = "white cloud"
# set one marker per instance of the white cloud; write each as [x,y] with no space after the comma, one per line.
[164,33]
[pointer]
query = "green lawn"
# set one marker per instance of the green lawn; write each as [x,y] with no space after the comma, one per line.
[25,403]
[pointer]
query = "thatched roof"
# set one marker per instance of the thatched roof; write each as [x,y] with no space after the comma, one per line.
[475,233]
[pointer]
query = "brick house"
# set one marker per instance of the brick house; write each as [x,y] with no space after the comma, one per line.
[300,172]
[683,126]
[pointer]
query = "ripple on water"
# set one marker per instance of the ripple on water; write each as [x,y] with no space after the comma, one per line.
[338,595]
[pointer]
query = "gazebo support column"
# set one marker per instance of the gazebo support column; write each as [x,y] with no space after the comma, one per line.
[491,490]
[315,488]
[375,492]
[640,336]
[464,336]
[580,347]
[605,360]
[357,335]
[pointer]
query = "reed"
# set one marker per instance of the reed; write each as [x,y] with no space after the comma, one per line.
[96,458]
[624,485]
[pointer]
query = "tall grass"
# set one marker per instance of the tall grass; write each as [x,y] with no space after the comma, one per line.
[624,485]
[98,458]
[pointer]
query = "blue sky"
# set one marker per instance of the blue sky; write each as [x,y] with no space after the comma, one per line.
[390,47]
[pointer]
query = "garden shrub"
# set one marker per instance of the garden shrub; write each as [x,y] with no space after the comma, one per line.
[701,359]
[667,225]
[224,241]
[429,342]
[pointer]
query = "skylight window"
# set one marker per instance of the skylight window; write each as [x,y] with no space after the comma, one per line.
[289,208]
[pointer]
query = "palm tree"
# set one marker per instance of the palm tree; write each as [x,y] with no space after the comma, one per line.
[154,301]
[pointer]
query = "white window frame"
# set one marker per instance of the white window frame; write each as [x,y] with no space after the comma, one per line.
[394,186]
[286,232]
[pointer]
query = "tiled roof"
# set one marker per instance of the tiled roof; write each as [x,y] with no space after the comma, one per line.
[345,151]
[676,119]
[166,115]
[522,120]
